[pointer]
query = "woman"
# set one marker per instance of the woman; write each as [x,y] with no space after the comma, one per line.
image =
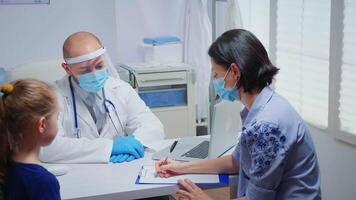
[275,156]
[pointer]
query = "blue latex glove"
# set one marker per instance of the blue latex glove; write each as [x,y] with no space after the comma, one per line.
[122,158]
[128,145]
[116,158]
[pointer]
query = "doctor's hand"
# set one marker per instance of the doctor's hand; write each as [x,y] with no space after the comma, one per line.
[188,190]
[128,145]
[122,158]
[168,168]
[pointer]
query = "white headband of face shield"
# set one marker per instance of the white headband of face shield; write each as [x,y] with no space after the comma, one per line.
[85,57]
[100,52]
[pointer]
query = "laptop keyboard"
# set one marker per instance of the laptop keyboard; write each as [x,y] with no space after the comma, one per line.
[200,151]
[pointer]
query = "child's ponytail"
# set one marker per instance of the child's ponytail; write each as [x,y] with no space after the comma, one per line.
[6,89]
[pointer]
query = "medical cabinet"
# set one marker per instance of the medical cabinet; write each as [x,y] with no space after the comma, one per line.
[168,89]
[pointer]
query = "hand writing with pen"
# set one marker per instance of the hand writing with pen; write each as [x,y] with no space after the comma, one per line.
[188,190]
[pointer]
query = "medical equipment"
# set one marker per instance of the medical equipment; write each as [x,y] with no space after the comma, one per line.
[106,107]
[168,89]
[107,110]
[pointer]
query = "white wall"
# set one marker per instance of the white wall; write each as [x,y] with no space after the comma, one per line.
[137,19]
[337,162]
[33,32]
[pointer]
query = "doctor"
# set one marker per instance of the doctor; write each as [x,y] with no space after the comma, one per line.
[102,118]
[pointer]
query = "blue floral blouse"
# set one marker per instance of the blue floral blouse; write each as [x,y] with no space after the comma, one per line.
[275,152]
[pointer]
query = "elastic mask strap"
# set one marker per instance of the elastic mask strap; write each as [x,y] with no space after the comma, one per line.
[227,74]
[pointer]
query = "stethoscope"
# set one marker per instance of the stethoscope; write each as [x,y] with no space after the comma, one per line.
[107,103]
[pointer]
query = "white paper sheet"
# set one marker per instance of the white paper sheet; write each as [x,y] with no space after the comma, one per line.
[147,175]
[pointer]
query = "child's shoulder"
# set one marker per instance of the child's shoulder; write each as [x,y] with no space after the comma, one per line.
[32,172]
[31,181]
[28,168]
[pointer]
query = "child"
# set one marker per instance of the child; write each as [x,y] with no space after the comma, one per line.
[28,120]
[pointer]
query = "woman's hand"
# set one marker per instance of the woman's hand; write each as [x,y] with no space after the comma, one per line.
[190,191]
[168,168]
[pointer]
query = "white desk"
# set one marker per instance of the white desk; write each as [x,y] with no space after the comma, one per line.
[110,181]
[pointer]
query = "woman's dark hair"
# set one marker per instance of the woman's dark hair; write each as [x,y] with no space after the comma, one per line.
[241,47]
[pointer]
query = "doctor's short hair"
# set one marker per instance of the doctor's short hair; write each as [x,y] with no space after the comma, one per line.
[22,103]
[241,47]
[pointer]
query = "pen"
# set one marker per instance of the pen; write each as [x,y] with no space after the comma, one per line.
[171,150]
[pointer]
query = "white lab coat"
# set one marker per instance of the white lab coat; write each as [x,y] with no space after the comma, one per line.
[92,147]
[233,18]
[197,40]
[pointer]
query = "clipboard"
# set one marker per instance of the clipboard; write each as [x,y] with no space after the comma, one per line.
[223,180]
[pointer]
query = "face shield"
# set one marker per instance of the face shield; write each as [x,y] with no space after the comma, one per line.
[90,62]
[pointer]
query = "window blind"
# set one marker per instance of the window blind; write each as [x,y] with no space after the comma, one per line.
[303,34]
[347,101]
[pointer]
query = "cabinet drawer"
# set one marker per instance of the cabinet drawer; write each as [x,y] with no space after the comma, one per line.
[157,79]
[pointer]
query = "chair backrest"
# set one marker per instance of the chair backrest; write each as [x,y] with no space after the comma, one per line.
[48,70]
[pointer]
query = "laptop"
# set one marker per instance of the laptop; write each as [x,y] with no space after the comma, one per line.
[224,133]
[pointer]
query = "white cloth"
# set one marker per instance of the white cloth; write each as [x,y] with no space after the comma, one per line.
[197,40]
[233,18]
[92,146]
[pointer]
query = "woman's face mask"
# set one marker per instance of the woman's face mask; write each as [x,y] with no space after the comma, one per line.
[229,94]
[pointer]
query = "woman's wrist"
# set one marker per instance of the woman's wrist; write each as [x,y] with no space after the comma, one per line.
[186,167]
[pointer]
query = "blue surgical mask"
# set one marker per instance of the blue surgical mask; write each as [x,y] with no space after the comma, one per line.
[93,81]
[229,94]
